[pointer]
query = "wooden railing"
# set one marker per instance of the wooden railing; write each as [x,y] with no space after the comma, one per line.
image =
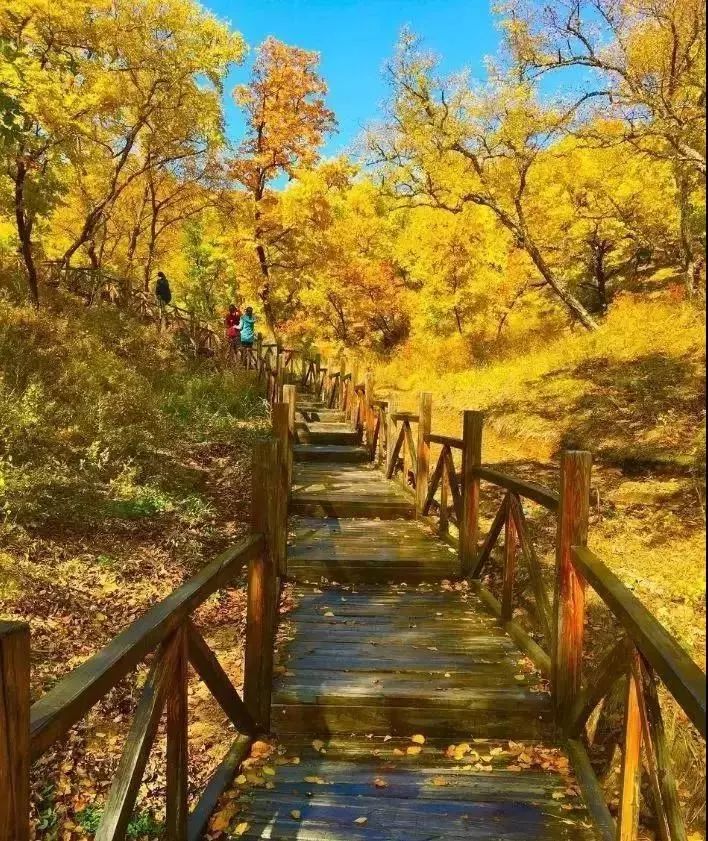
[168,637]
[93,284]
[553,632]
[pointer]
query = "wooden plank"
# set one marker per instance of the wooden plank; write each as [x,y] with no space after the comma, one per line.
[669,814]
[446,441]
[281,487]
[207,666]
[492,537]
[217,785]
[630,795]
[592,790]
[391,437]
[684,679]
[469,524]
[528,490]
[396,453]
[445,505]
[120,804]
[612,668]
[454,484]
[177,785]
[569,605]
[510,551]
[369,419]
[60,708]
[262,584]
[411,448]
[14,731]
[543,603]
[434,483]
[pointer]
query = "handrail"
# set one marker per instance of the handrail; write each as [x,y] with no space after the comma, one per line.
[537,493]
[60,708]
[684,679]
[445,441]
[410,417]
[168,630]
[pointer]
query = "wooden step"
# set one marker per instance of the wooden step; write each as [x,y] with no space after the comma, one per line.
[326,434]
[373,553]
[348,491]
[333,453]
[394,661]
[321,416]
[368,789]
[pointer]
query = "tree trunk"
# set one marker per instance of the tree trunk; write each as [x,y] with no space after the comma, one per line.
[571,302]
[24,232]
[691,260]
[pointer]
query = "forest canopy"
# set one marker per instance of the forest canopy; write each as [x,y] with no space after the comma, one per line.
[569,176]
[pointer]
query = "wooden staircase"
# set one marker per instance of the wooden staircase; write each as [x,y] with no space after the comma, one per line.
[388,662]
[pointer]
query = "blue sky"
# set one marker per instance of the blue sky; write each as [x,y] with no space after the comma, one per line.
[355,37]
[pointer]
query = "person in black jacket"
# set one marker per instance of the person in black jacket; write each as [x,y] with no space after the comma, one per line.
[162,290]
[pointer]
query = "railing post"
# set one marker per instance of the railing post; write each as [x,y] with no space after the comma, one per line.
[354,407]
[473,428]
[14,731]
[177,815]
[262,588]
[510,551]
[369,419]
[425,427]
[279,375]
[342,383]
[569,603]
[391,433]
[281,430]
[630,781]
[290,398]
[259,353]
[318,373]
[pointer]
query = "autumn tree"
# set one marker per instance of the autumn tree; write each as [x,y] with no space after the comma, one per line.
[99,98]
[287,122]
[644,65]
[161,80]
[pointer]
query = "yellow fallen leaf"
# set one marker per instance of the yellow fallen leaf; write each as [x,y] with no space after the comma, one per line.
[418,740]
[296,815]
[415,751]
[242,829]
[361,821]
[379,783]
[318,745]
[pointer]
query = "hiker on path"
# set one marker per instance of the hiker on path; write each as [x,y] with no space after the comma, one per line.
[248,328]
[233,326]
[163,293]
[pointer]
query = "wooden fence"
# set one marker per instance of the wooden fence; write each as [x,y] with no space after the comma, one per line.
[168,637]
[447,497]
[98,285]
[553,634]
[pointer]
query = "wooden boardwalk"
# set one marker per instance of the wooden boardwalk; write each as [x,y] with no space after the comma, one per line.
[401,706]
[403,709]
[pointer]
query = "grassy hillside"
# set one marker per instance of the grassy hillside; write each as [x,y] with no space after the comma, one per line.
[124,466]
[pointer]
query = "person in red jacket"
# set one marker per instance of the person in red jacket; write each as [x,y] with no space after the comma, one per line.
[233,326]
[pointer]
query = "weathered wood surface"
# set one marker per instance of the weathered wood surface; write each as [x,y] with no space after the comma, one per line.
[371,790]
[341,490]
[14,730]
[668,658]
[367,551]
[382,664]
[60,708]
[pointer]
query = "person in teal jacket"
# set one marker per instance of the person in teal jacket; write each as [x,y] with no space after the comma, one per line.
[248,328]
